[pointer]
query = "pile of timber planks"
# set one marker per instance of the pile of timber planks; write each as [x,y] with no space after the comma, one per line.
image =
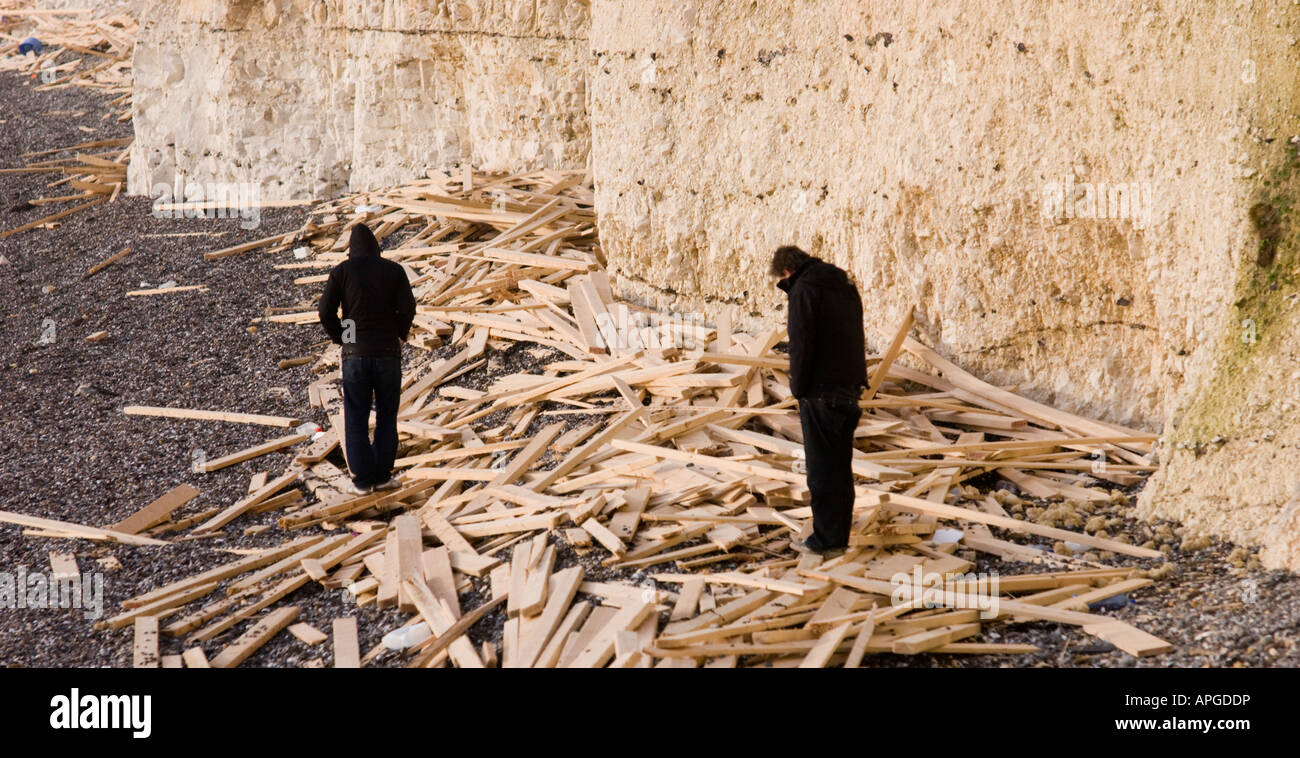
[672,446]
[80,50]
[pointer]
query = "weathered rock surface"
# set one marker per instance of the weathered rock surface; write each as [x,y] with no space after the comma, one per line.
[311,97]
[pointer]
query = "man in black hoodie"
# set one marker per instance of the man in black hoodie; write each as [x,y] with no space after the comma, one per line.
[378,307]
[828,368]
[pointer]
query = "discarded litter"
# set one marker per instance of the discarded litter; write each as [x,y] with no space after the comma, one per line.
[946,536]
[1111,603]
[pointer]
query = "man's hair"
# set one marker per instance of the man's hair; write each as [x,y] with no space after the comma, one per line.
[788,258]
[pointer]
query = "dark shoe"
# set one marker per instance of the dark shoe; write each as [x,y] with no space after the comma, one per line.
[812,546]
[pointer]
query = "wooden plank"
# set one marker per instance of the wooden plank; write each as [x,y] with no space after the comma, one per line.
[195,658]
[1026,407]
[1081,601]
[722,464]
[887,358]
[688,599]
[155,512]
[600,649]
[318,568]
[249,453]
[575,458]
[110,260]
[625,521]
[826,646]
[604,536]
[519,561]
[144,652]
[408,557]
[249,642]
[454,632]
[859,648]
[473,564]
[222,572]
[933,638]
[439,619]
[1130,639]
[582,312]
[167,290]
[386,568]
[52,217]
[77,530]
[525,458]
[563,586]
[347,651]
[436,563]
[308,633]
[536,586]
[566,631]
[444,531]
[201,415]
[63,568]
[906,504]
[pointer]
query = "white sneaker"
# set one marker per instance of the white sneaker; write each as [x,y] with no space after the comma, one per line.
[393,483]
[352,488]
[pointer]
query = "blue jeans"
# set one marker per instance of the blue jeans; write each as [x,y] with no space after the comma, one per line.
[371,382]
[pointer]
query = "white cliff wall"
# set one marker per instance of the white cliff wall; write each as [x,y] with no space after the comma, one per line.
[311,97]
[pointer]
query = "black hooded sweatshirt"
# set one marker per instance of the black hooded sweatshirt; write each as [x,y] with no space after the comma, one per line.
[827,347]
[376,296]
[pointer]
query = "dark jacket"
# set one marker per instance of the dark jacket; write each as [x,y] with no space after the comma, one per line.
[827,347]
[376,296]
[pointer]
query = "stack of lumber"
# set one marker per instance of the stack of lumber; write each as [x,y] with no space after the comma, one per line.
[96,170]
[531,500]
[80,50]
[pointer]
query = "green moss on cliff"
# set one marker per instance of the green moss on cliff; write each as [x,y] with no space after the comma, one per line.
[1266,276]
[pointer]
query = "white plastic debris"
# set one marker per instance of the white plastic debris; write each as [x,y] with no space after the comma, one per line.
[945,536]
[1076,547]
[301,252]
[401,639]
[312,431]
[167,284]
[369,208]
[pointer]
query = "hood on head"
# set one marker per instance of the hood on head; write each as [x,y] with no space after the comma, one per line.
[363,244]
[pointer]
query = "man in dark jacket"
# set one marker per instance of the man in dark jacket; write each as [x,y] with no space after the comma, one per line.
[378,307]
[828,368]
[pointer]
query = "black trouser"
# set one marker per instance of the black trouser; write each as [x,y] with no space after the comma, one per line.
[371,380]
[829,418]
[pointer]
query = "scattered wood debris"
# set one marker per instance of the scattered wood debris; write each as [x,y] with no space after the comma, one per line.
[641,442]
[79,49]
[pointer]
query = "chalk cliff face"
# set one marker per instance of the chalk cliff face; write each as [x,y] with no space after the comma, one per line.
[311,97]
[1089,200]
[1061,190]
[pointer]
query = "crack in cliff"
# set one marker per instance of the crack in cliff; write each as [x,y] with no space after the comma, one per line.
[1042,330]
[674,293]
[416,32]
